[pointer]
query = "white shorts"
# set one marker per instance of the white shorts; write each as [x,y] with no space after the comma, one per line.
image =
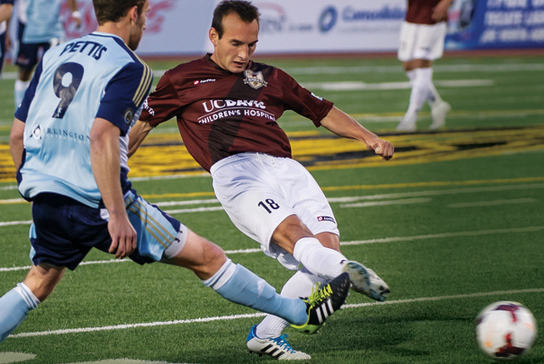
[421,41]
[259,191]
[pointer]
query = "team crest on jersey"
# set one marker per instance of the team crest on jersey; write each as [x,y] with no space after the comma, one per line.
[254,79]
[129,115]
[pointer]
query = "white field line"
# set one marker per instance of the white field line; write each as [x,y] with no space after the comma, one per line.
[493,203]
[350,243]
[437,68]
[197,209]
[516,67]
[244,316]
[8,188]
[181,203]
[10,201]
[27,267]
[451,191]
[11,223]
[173,176]
[360,86]
[527,229]
[408,201]
[359,198]
[331,199]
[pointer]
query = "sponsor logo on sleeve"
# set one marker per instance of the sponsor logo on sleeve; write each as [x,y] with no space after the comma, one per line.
[326,218]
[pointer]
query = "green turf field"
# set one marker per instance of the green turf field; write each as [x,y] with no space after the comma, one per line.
[453,222]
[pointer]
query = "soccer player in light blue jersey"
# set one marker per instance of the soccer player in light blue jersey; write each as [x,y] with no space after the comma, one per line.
[40,27]
[6,8]
[69,142]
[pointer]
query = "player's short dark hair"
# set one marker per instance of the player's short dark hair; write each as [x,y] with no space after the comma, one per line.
[244,9]
[113,10]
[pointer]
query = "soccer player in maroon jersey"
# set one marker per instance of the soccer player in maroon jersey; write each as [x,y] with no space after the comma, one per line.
[82,199]
[227,107]
[421,42]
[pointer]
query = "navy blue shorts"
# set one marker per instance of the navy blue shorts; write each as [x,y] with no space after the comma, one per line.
[65,230]
[2,50]
[28,55]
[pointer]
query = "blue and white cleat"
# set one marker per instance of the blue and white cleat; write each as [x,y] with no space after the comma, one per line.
[277,347]
[366,281]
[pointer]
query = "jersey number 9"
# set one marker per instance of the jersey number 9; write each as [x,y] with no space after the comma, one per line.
[67,79]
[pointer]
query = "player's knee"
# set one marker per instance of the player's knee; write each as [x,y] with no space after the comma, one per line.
[214,258]
[291,230]
[209,259]
[329,240]
[42,280]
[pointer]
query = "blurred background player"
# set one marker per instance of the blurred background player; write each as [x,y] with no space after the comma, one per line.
[6,8]
[40,26]
[421,42]
[69,143]
[227,107]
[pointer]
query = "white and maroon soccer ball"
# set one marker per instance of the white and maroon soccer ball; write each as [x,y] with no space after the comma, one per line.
[505,330]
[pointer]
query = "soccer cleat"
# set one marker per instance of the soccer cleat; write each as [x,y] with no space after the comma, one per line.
[323,302]
[438,113]
[366,281]
[276,347]
[408,123]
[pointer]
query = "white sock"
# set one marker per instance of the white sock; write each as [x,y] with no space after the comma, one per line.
[299,285]
[411,74]
[321,261]
[421,89]
[19,92]
[434,98]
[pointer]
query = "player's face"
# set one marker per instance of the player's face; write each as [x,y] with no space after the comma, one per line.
[137,29]
[234,50]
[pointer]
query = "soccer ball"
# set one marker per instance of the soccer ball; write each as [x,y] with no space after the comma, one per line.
[505,330]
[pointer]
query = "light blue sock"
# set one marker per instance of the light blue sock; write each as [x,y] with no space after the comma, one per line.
[239,285]
[14,306]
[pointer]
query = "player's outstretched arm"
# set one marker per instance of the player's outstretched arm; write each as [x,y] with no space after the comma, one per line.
[137,135]
[440,11]
[345,126]
[106,165]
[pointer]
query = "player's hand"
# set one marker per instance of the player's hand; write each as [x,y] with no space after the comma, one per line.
[123,236]
[76,17]
[382,148]
[440,11]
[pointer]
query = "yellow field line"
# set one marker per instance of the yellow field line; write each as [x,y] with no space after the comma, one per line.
[348,188]
[435,184]
[380,186]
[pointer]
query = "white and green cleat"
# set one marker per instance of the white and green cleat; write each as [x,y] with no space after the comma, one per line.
[366,281]
[323,302]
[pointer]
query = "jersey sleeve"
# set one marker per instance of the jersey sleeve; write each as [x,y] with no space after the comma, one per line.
[302,101]
[125,94]
[162,104]
[22,110]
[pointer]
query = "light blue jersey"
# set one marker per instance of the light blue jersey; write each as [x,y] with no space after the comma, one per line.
[93,76]
[43,21]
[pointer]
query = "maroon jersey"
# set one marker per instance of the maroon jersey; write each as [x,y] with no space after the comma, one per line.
[221,113]
[420,11]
